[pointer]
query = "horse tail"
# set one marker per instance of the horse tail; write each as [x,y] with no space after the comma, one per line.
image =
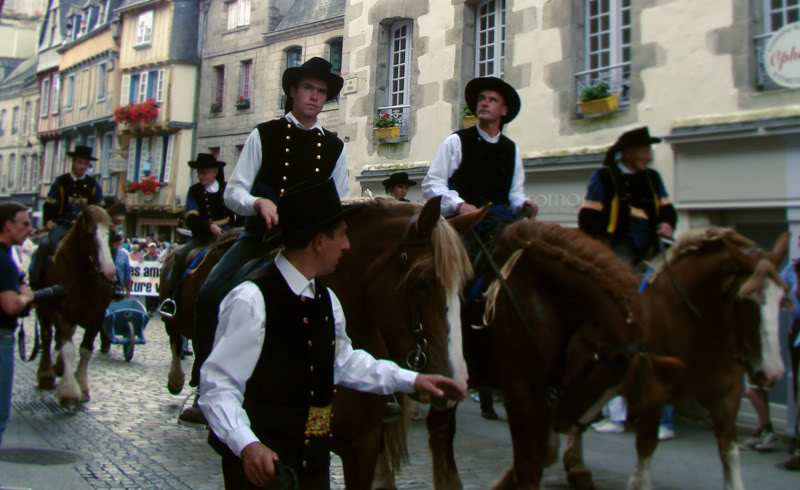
[395,437]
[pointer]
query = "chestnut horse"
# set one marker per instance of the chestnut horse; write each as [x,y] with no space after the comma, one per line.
[733,329]
[399,287]
[83,265]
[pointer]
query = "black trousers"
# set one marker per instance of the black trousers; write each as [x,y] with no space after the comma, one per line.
[219,283]
[233,474]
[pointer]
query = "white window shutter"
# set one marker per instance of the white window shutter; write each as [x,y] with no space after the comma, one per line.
[142,86]
[124,96]
[160,88]
[232,14]
[168,163]
[246,9]
[132,160]
[158,152]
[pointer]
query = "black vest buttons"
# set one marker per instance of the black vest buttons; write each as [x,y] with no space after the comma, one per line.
[285,178]
[287,150]
[307,442]
[286,164]
[312,393]
[309,343]
[319,157]
[289,126]
[319,145]
[288,137]
[311,368]
[316,170]
[305,464]
[306,320]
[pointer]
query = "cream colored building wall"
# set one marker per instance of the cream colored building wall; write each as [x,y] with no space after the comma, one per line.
[86,48]
[19,38]
[158,50]
[182,92]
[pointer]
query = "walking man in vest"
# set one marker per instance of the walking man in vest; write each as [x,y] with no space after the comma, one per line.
[627,206]
[477,166]
[62,207]
[267,386]
[277,155]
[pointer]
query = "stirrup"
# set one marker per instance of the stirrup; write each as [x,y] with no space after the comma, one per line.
[168,308]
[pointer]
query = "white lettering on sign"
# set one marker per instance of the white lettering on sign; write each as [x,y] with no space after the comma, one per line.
[782,56]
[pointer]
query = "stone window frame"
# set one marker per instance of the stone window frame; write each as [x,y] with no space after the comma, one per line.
[762,30]
[383,71]
[143,37]
[329,52]
[498,44]
[238,14]
[285,60]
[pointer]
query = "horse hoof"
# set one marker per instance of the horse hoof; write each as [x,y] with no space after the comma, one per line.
[47,383]
[580,479]
[85,398]
[173,390]
[69,403]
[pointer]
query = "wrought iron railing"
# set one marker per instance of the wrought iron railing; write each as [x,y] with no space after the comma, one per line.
[402,111]
[618,78]
[763,80]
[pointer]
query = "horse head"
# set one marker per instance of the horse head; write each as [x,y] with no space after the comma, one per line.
[90,235]
[399,285]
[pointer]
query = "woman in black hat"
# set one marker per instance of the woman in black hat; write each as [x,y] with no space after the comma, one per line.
[62,207]
[206,216]
[277,155]
[397,185]
[285,322]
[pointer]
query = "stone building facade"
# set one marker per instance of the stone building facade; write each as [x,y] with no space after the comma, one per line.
[244,56]
[693,72]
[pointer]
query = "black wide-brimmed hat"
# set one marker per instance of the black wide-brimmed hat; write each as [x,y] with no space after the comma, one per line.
[307,209]
[631,139]
[400,178]
[82,152]
[314,68]
[510,96]
[206,160]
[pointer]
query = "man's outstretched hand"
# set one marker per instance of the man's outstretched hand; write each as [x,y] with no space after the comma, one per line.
[258,461]
[440,386]
[267,210]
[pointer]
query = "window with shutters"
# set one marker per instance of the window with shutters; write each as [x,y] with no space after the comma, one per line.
[35,166]
[12,163]
[294,57]
[138,87]
[56,94]
[396,98]
[490,32]
[26,118]
[219,89]
[15,120]
[150,156]
[245,73]
[45,97]
[777,14]
[69,92]
[238,12]
[102,81]
[335,55]
[23,172]
[144,29]
[2,122]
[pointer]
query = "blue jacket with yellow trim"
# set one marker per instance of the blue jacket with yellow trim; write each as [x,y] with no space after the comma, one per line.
[618,206]
[63,203]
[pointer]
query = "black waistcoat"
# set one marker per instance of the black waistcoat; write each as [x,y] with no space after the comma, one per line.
[486,169]
[294,373]
[291,156]
[212,209]
[71,194]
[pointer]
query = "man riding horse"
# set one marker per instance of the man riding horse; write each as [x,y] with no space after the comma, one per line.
[62,207]
[478,166]
[206,216]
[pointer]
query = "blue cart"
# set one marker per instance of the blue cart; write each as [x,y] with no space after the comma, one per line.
[124,324]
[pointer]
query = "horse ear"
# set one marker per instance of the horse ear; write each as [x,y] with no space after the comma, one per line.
[465,222]
[429,217]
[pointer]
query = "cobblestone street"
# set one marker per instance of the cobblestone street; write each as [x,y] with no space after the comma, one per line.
[127,437]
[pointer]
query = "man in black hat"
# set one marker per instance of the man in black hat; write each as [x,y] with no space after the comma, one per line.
[62,207]
[626,204]
[627,207]
[277,155]
[205,215]
[477,166]
[282,336]
[397,185]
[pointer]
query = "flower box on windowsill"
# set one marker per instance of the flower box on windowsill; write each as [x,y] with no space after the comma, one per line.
[387,133]
[600,106]
[216,107]
[242,104]
[469,121]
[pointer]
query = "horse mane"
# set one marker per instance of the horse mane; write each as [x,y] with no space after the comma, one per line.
[575,250]
[694,240]
[96,213]
[450,261]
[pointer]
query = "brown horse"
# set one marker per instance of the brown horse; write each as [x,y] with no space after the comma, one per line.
[561,340]
[714,317]
[399,287]
[83,265]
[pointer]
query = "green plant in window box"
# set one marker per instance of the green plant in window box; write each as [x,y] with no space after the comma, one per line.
[597,99]
[468,119]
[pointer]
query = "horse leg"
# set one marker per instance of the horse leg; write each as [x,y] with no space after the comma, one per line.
[68,390]
[82,371]
[359,459]
[46,375]
[384,476]
[646,442]
[578,475]
[176,377]
[441,431]
[723,414]
[530,425]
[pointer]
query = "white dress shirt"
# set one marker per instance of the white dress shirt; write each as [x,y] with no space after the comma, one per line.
[237,348]
[447,161]
[237,193]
